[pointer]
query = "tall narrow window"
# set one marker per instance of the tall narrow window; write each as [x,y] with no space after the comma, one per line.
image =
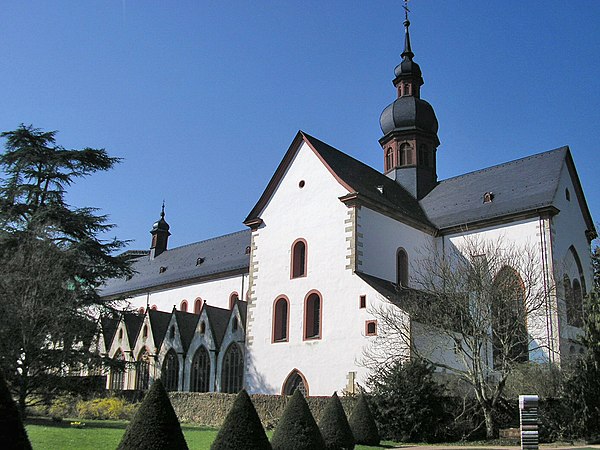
[404,155]
[117,372]
[234,297]
[280,320]
[233,370]
[569,300]
[312,316]
[389,159]
[577,304]
[200,375]
[197,305]
[170,371]
[184,306]
[299,258]
[402,267]
[142,370]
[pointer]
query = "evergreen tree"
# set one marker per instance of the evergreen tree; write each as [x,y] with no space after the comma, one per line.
[362,424]
[12,432]
[242,428]
[334,426]
[297,429]
[582,387]
[155,425]
[406,402]
[53,261]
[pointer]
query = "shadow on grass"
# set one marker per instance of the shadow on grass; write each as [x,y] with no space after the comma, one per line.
[66,423]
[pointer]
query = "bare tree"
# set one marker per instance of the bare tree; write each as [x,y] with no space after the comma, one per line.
[478,310]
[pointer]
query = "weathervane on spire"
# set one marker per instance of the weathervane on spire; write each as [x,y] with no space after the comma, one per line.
[406,10]
[162,213]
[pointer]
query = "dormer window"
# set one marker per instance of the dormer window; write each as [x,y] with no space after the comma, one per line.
[199,261]
[488,197]
[162,269]
[247,252]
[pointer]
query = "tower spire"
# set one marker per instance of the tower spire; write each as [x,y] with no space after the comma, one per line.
[407,53]
[160,234]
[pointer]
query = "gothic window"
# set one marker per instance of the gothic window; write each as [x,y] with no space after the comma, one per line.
[233,370]
[569,300]
[509,322]
[234,297]
[404,154]
[577,304]
[389,159]
[197,305]
[280,320]
[184,306]
[312,316]
[299,258]
[142,370]
[117,372]
[402,267]
[295,381]
[200,375]
[170,371]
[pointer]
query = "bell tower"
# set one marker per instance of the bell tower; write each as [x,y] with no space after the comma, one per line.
[409,128]
[160,235]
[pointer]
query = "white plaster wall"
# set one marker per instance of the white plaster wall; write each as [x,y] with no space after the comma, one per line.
[381,238]
[314,213]
[215,292]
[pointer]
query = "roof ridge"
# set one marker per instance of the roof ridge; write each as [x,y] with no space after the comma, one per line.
[507,163]
[208,240]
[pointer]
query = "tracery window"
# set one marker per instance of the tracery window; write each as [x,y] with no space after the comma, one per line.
[280,319]
[200,373]
[233,370]
[142,370]
[295,381]
[312,316]
[170,371]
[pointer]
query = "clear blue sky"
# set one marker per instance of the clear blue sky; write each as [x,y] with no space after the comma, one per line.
[202,98]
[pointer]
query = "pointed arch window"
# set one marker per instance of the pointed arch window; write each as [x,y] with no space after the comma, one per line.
[577,304]
[281,319]
[117,372]
[569,300]
[170,371]
[299,250]
[402,267]
[233,370]
[295,382]
[509,322]
[200,374]
[312,316]
[142,370]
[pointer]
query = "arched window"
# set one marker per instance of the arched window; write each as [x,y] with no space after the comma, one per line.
[234,297]
[299,258]
[295,381]
[141,310]
[145,331]
[142,370]
[389,159]
[233,370]
[154,308]
[280,319]
[234,324]
[172,332]
[577,304]
[203,327]
[200,375]
[312,316]
[509,322]
[184,306]
[569,300]
[197,305]
[402,267]
[170,371]
[117,372]
[404,154]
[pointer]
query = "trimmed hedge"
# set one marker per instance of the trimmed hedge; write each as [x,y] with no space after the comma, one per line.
[155,425]
[334,426]
[242,428]
[297,429]
[363,425]
[12,431]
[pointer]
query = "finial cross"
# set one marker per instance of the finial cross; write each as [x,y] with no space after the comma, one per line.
[406,10]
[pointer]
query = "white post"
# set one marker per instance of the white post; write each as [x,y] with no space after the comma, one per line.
[528,408]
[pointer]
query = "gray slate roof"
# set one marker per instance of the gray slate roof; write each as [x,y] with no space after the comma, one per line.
[219,319]
[133,323]
[109,329]
[521,185]
[159,322]
[186,322]
[221,254]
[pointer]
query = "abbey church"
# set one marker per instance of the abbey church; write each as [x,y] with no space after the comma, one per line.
[288,303]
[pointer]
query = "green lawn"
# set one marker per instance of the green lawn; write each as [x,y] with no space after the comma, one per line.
[106,435]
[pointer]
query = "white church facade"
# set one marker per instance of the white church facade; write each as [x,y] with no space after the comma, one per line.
[289,303]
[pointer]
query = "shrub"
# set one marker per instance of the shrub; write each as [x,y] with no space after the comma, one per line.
[105,408]
[406,402]
[362,424]
[242,428]
[297,429]
[334,426]
[155,425]
[12,431]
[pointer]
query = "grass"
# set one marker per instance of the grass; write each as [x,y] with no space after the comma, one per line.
[106,435]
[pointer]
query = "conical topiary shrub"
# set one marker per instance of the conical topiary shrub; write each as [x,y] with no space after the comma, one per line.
[155,425]
[242,428]
[297,429]
[12,431]
[362,424]
[334,426]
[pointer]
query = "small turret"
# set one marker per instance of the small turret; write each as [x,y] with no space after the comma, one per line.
[160,235]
